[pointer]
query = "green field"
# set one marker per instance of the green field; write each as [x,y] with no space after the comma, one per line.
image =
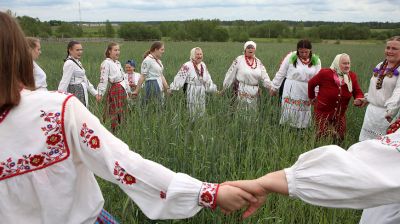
[223,145]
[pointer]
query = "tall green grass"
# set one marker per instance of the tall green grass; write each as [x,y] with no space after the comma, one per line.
[223,145]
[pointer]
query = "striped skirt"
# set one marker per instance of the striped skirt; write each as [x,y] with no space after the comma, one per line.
[105,218]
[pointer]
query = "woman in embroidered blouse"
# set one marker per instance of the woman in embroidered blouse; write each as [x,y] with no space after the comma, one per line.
[245,73]
[383,93]
[111,71]
[74,78]
[384,102]
[38,73]
[130,74]
[67,145]
[337,85]
[195,79]
[152,73]
[298,68]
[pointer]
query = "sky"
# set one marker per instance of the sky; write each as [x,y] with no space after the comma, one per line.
[160,10]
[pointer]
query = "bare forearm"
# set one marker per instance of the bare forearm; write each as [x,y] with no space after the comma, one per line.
[275,182]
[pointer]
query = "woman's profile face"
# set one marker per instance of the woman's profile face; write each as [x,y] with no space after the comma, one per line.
[114,52]
[36,51]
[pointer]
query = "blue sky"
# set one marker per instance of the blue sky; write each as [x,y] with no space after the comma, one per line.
[160,10]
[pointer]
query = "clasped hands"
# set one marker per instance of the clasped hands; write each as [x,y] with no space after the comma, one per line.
[235,195]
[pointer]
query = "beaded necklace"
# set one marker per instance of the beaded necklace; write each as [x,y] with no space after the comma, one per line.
[251,64]
[200,72]
[384,71]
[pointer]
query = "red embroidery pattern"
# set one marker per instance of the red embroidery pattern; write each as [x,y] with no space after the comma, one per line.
[385,140]
[91,140]
[208,195]
[56,150]
[163,195]
[122,176]
[299,103]
[393,127]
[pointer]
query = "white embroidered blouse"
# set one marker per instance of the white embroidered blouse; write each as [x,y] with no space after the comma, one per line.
[51,147]
[111,71]
[248,77]
[388,96]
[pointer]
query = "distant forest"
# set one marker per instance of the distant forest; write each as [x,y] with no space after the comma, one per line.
[210,30]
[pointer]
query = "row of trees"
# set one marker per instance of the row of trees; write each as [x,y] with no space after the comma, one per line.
[210,30]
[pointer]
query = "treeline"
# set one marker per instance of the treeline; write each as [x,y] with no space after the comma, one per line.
[213,30]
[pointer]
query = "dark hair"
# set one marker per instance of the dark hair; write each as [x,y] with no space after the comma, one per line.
[155,46]
[109,48]
[32,42]
[70,45]
[303,44]
[131,62]
[16,65]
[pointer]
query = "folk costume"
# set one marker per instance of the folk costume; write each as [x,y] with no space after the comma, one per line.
[111,71]
[52,180]
[245,74]
[197,81]
[296,107]
[153,69]
[74,81]
[384,99]
[335,91]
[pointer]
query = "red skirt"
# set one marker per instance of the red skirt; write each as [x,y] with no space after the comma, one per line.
[116,104]
[329,125]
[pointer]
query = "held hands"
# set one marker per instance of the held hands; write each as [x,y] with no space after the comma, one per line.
[360,102]
[231,198]
[98,98]
[254,188]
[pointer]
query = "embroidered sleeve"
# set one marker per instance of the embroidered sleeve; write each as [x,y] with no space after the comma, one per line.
[230,75]
[282,72]
[68,70]
[180,77]
[145,68]
[208,195]
[104,73]
[368,174]
[159,192]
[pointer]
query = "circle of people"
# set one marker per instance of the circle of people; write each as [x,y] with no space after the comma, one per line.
[51,141]
[300,78]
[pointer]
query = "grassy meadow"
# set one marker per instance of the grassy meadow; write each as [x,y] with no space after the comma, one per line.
[222,145]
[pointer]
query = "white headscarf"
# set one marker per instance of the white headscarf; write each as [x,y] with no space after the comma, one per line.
[193,53]
[335,67]
[250,43]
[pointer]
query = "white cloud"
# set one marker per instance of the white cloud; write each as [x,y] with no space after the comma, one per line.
[161,10]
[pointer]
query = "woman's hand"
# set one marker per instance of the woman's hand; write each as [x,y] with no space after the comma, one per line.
[231,198]
[98,98]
